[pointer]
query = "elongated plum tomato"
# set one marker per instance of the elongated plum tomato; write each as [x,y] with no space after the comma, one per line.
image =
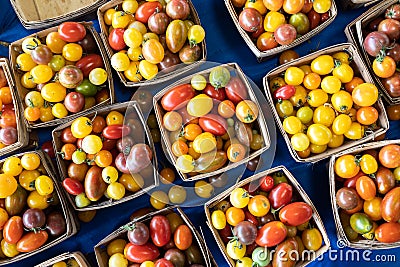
[139,254]
[71,31]
[284,92]
[295,213]
[177,97]
[160,230]
[214,124]
[271,234]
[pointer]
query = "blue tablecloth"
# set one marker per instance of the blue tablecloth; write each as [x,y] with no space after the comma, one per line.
[224,44]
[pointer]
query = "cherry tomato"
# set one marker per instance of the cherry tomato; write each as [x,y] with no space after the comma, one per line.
[322,65]
[346,166]
[312,239]
[389,156]
[259,205]
[295,213]
[71,31]
[246,111]
[384,67]
[13,230]
[235,249]
[271,234]
[365,94]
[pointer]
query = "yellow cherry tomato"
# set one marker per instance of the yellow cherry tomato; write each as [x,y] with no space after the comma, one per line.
[53,92]
[204,142]
[158,199]
[44,185]
[41,74]
[30,161]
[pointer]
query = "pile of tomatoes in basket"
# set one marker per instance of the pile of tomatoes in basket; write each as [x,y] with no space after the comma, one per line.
[63,71]
[280,22]
[105,157]
[164,240]
[209,121]
[381,43]
[151,37]
[324,103]
[369,196]
[30,214]
[8,123]
[253,221]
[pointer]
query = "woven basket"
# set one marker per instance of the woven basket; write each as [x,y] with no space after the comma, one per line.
[361,244]
[78,256]
[23,135]
[101,247]
[72,225]
[163,75]
[167,143]
[35,14]
[355,34]
[132,107]
[316,219]
[21,91]
[262,55]
[359,69]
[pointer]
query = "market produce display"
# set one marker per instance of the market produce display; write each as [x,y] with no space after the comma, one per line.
[209,120]
[313,111]
[163,238]
[105,157]
[73,259]
[270,26]
[365,195]
[33,215]
[60,72]
[264,213]
[144,39]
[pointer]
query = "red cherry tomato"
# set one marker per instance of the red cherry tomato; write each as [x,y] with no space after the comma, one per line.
[48,148]
[295,213]
[73,186]
[116,131]
[147,9]
[251,218]
[139,254]
[284,92]
[280,195]
[267,183]
[32,241]
[388,232]
[214,124]
[177,97]
[88,63]
[13,230]
[211,91]
[236,90]
[163,263]
[160,230]
[390,206]
[271,234]
[71,31]
[116,39]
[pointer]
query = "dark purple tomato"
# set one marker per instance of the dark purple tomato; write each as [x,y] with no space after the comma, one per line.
[347,198]
[393,112]
[266,219]
[373,25]
[33,218]
[374,42]
[56,224]
[392,84]
[138,234]
[325,16]
[314,18]
[250,19]
[252,164]
[74,102]
[158,22]
[393,12]
[48,148]
[178,9]
[246,232]
[124,144]
[8,135]
[41,54]
[170,59]
[176,256]
[301,22]
[391,28]
[394,52]
[88,44]
[285,34]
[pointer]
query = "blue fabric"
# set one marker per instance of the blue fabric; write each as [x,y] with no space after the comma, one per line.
[224,44]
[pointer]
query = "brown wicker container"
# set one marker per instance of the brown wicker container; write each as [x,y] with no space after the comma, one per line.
[251,95]
[22,132]
[161,76]
[131,107]
[355,33]
[72,225]
[14,51]
[356,3]
[77,256]
[359,69]
[364,243]
[262,55]
[101,247]
[316,219]
[35,14]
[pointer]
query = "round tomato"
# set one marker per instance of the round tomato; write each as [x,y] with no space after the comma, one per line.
[71,31]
